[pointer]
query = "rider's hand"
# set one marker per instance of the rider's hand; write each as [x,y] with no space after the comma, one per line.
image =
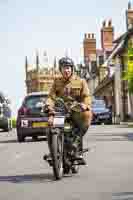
[51,120]
[46,108]
[83,106]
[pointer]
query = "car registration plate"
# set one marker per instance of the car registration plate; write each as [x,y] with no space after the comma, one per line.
[103,116]
[39,124]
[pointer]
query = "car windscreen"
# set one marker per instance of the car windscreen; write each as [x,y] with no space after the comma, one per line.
[32,101]
[99,106]
[98,102]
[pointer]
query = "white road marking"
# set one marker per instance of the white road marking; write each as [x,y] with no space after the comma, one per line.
[19,155]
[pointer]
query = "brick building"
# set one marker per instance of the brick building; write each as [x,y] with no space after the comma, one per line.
[112,84]
[94,58]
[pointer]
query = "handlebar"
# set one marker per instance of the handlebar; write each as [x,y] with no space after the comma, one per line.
[68,104]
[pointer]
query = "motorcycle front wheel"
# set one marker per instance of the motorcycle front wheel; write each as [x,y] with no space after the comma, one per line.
[57,155]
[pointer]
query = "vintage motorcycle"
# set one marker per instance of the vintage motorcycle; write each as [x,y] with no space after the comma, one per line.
[61,137]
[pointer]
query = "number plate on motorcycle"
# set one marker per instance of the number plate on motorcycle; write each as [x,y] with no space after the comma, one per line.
[59,121]
[39,124]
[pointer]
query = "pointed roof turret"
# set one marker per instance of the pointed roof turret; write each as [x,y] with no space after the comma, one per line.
[55,64]
[26,66]
[37,61]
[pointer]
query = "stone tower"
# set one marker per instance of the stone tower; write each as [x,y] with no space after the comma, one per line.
[26,66]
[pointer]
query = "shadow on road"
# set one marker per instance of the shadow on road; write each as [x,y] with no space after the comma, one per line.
[130,136]
[31,178]
[26,141]
[8,141]
[27,178]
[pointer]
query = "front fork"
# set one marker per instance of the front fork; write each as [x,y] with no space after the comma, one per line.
[50,133]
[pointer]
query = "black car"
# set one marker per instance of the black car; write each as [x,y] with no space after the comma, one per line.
[31,120]
[5,113]
[101,114]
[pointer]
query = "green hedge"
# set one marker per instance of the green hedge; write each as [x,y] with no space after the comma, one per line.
[13,122]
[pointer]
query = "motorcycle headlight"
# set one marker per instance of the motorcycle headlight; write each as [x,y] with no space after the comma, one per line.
[67,127]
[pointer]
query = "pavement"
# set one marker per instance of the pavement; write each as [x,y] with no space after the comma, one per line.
[128,124]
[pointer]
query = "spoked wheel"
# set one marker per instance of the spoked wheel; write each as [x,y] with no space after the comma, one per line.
[57,155]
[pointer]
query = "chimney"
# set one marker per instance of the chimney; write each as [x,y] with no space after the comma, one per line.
[92,35]
[110,23]
[89,46]
[129,16]
[104,23]
[107,35]
[89,35]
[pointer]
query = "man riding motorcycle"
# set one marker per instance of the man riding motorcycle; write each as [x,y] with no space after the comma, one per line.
[70,85]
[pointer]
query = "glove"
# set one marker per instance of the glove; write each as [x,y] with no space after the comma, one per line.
[84,107]
[49,110]
[51,120]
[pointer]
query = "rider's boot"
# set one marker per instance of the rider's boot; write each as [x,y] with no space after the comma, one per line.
[78,149]
[48,158]
[80,159]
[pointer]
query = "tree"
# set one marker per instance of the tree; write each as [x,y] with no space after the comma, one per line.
[128,76]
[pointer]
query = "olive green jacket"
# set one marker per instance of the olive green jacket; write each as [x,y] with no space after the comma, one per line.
[74,87]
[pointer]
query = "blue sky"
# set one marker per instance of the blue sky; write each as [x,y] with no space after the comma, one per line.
[51,26]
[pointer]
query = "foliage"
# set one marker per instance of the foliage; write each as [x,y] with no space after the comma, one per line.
[128,75]
[13,122]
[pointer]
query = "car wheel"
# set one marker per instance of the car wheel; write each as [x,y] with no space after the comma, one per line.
[6,129]
[109,122]
[20,137]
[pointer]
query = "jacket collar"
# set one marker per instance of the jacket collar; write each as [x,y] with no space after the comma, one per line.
[68,80]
